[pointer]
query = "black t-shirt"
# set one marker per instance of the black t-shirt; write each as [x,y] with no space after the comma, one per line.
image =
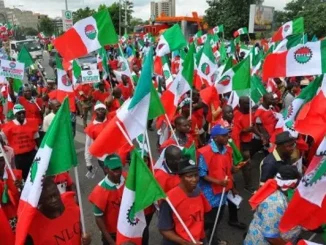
[165,219]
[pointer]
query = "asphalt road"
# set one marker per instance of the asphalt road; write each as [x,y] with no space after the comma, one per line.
[232,235]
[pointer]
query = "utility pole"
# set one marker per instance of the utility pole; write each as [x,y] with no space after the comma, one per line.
[66,4]
[119,18]
[126,17]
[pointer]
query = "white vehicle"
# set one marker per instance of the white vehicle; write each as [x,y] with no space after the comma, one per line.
[33,47]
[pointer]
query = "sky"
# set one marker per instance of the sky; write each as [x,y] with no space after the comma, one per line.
[141,7]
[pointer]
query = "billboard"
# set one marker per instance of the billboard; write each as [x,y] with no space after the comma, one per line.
[261,18]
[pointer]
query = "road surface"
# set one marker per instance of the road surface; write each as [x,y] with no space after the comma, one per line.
[233,235]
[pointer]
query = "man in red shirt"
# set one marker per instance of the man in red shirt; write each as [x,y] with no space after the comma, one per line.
[126,87]
[22,135]
[136,61]
[113,63]
[100,94]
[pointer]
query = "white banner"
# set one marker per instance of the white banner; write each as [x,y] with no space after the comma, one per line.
[90,76]
[13,69]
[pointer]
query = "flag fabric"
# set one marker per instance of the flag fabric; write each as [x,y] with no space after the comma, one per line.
[124,38]
[188,66]
[166,71]
[224,83]
[76,72]
[57,144]
[236,154]
[306,95]
[64,83]
[242,75]
[218,29]
[190,152]
[241,31]
[302,60]
[172,39]
[25,57]
[6,233]
[257,89]
[207,67]
[41,35]
[288,42]
[104,60]
[202,40]
[87,35]
[311,119]
[309,196]
[305,242]
[289,28]
[131,221]
[131,117]
[156,108]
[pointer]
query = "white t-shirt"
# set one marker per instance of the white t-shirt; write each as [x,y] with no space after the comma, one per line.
[47,121]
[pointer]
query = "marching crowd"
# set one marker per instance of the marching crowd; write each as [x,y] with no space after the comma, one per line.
[197,189]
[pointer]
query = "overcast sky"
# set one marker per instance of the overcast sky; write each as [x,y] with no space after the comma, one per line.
[142,10]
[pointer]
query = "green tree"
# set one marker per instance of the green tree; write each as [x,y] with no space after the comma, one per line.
[28,31]
[82,14]
[46,26]
[233,14]
[313,11]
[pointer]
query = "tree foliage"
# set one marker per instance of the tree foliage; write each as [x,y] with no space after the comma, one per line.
[233,14]
[313,11]
[114,13]
[82,14]
[46,26]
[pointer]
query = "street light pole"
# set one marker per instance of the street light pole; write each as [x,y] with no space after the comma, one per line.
[119,18]
[66,4]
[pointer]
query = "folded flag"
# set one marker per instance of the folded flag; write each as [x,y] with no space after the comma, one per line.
[76,72]
[172,39]
[87,35]
[289,28]
[302,60]
[131,221]
[241,31]
[25,57]
[57,144]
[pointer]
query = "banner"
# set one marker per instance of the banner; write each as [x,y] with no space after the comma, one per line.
[261,18]
[13,69]
[90,76]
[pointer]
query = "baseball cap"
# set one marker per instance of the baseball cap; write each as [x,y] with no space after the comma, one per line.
[17,108]
[219,130]
[113,162]
[283,138]
[99,105]
[186,165]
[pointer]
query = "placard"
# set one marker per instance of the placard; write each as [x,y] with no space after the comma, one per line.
[13,69]
[90,76]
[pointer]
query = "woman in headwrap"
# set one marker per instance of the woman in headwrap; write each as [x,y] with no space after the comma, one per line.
[270,203]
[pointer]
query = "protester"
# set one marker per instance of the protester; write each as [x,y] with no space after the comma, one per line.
[92,131]
[182,133]
[166,174]
[56,213]
[84,92]
[189,202]
[106,199]
[22,135]
[100,94]
[270,203]
[54,106]
[125,87]
[281,155]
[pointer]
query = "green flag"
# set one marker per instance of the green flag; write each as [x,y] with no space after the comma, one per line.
[236,154]
[189,66]
[140,178]
[103,56]
[155,107]
[241,78]
[257,88]
[190,152]
[60,139]
[25,57]
[76,71]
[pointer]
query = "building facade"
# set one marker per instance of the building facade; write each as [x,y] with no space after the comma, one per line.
[165,7]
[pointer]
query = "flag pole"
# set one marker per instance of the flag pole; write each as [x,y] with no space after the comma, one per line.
[149,151]
[7,162]
[218,213]
[172,131]
[124,133]
[180,220]
[250,111]
[190,115]
[82,219]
